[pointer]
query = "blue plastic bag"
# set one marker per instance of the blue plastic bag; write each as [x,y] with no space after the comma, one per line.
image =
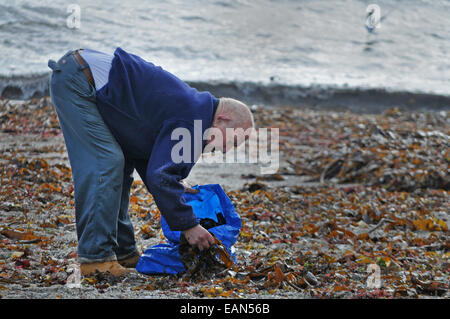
[211,202]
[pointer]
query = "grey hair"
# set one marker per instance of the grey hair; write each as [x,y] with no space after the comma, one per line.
[240,112]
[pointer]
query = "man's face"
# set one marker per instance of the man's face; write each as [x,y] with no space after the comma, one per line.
[225,134]
[225,138]
[218,139]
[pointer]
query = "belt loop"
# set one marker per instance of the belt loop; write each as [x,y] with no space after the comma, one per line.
[54,66]
[82,67]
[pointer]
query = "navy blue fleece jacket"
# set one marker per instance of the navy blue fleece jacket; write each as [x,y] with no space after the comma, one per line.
[142,104]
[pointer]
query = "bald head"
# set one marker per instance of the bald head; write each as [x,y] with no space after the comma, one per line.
[238,113]
[231,114]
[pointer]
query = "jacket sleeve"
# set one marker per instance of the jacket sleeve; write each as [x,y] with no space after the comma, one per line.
[163,177]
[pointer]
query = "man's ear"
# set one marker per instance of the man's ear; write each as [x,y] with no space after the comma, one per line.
[224,117]
[221,118]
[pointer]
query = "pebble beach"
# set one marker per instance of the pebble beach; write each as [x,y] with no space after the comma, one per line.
[353,191]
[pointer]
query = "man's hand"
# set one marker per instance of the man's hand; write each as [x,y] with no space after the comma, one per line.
[199,237]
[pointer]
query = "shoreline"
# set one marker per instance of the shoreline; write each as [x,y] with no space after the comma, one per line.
[359,100]
[353,190]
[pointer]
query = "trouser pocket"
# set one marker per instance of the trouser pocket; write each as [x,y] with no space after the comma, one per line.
[68,75]
[81,86]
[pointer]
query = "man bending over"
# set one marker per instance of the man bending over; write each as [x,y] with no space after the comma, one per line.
[118,113]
